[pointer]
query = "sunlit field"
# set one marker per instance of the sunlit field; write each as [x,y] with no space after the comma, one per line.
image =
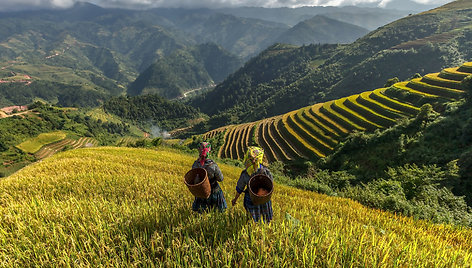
[129,207]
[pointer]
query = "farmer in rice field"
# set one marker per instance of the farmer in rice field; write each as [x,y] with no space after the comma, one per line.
[216,200]
[253,163]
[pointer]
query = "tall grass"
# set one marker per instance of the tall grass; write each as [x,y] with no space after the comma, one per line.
[129,207]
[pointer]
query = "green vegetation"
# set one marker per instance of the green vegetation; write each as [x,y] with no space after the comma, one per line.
[34,144]
[151,110]
[185,70]
[53,92]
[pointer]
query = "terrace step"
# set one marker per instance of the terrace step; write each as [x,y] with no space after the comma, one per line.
[280,154]
[365,99]
[353,116]
[453,74]
[301,147]
[367,113]
[339,119]
[443,92]
[325,120]
[289,151]
[262,139]
[435,80]
[314,129]
[379,95]
[309,137]
[326,130]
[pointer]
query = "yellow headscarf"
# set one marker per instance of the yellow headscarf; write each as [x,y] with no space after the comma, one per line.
[253,159]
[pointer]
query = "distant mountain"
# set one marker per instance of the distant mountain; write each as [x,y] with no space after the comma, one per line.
[192,68]
[370,17]
[416,44]
[409,5]
[321,29]
[244,37]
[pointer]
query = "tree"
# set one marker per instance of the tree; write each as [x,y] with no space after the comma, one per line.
[391,81]
[3,146]
[467,84]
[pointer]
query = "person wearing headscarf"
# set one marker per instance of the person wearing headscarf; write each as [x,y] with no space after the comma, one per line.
[253,163]
[216,200]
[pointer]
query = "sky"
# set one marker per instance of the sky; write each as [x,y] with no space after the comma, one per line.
[34,4]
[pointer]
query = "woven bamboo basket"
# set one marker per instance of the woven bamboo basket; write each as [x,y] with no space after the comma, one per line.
[200,188]
[260,189]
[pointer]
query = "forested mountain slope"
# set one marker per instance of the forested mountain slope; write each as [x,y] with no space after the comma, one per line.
[185,69]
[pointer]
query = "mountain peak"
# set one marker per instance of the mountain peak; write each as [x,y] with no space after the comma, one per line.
[85,6]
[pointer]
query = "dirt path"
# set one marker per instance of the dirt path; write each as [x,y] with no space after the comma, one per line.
[4,115]
[185,94]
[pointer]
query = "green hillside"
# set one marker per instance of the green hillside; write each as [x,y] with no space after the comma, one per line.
[183,70]
[129,207]
[152,110]
[422,43]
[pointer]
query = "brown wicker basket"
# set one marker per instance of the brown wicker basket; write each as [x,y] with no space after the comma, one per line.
[202,188]
[258,182]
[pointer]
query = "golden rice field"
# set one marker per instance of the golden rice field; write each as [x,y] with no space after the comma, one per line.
[125,207]
[314,131]
[34,144]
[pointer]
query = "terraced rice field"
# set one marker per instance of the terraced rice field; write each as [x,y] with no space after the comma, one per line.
[50,149]
[314,131]
[33,145]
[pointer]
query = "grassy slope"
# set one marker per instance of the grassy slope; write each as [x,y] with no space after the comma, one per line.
[34,144]
[122,206]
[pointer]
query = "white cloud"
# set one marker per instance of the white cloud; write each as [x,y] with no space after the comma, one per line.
[25,4]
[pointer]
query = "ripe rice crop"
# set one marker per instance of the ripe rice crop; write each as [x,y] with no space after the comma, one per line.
[434,79]
[453,74]
[125,207]
[329,110]
[284,143]
[368,113]
[444,92]
[262,139]
[379,95]
[337,129]
[366,99]
[352,116]
[404,86]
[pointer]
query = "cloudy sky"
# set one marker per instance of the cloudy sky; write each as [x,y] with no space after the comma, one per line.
[28,4]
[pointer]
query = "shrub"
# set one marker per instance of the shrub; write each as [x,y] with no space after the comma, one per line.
[467,84]
[391,81]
